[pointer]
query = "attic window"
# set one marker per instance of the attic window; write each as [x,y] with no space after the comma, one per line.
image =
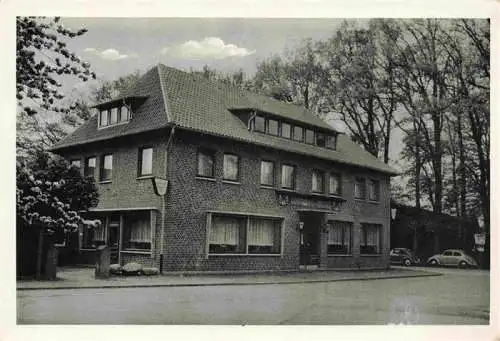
[114,116]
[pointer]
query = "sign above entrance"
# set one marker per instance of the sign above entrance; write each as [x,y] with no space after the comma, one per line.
[160,186]
[310,201]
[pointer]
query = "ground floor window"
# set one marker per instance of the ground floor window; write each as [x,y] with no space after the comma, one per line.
[137,231]
[339,237]
[239,234]
[133,230]
[370,241]
[227,235]
[93,235]
[264,236]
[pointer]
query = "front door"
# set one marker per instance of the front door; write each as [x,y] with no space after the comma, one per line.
[310,240]
[114,239]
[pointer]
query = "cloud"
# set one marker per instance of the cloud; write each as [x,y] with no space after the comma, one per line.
[208,48]
[110,54]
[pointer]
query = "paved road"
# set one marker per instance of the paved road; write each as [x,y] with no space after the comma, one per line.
[457,297]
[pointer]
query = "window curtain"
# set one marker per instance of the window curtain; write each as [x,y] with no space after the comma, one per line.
[370,236]
[205,164]
[100,233]
[359,188]
[225,230]
[287,176]
[334,184]
[317,181]
[266,173]
[140,231]
[231,167]
[261,232]
[339,234]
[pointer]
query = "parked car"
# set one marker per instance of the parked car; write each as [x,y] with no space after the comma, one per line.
[404,256]
[452,257]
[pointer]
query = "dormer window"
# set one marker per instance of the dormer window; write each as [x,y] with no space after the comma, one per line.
[103,118]
[268,124]
[114,115]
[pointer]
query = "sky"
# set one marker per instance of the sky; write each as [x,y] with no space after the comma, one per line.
[117,46]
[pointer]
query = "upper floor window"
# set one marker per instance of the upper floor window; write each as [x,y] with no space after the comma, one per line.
[359,188]
[309,136]
[259,124]
[276,127]
[331,142]
[103,122]
[115,115]
[267,173]
[288,176]
[90,164]
[321,140]
[298,133]
[231,167]
[206,163]
[272,127]
[318,181]
[145,161]
[106,167]
[335,184]
[373,190]
[286,130]
[124,113]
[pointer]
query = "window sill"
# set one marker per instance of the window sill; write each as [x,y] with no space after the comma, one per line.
[340,255]
[375,202]
[359,200]
[141,252]
[112,125]
[144,177]
[230,182]
[245,254]
[267,187]
[105,182]
[205,178]
[88,249]
[370,254]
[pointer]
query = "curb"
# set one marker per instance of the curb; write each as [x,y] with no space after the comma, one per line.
[160,285]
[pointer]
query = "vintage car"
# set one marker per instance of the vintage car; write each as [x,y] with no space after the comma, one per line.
[403,256]
[452,257]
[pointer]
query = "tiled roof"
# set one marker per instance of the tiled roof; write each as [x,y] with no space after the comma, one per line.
[192,102]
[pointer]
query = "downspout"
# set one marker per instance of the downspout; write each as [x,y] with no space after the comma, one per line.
[163,199]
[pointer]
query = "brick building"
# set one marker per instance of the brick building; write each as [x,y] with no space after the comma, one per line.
[253,183]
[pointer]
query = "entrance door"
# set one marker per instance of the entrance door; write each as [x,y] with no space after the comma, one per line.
[114,239]
[310,240]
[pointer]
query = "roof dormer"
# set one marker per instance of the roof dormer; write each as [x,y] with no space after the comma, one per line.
[117,111]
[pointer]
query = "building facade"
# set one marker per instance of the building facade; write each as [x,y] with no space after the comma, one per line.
[252,183]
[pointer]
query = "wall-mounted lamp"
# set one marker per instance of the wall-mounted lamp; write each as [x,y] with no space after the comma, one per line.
[393,213]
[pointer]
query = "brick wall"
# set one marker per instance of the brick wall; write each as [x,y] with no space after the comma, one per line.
[189,198]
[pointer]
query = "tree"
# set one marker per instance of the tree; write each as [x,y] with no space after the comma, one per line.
[357,82]
[49,196]
[41,57]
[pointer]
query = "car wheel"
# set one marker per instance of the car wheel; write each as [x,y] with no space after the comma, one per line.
[463,265]
[407,262]
[433,262]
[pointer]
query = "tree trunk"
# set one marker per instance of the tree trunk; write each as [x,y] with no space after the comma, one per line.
[39,255]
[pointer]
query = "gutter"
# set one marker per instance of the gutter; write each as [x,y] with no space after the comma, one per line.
[163,208]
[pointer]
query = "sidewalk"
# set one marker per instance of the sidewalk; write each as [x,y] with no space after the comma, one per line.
[83,278]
